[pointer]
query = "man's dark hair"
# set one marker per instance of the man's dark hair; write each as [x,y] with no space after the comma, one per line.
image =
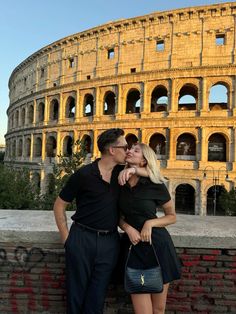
[108,137]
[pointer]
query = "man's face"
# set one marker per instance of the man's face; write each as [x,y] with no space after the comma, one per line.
[120,149]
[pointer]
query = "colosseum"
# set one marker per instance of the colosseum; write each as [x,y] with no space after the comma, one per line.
[156,76]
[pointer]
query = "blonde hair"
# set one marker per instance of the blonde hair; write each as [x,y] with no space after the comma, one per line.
[151,166]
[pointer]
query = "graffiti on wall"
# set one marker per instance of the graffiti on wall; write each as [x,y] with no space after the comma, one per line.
[32,275]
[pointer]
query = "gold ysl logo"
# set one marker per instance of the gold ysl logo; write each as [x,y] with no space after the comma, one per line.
[142,280]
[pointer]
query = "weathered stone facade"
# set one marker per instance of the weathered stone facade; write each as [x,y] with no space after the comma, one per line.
[136,74]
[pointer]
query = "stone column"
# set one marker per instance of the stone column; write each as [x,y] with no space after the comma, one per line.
[204,104]
[172,146]
[61,114]
[120,106]
[59,144]
[96,152]
[145,101]
[35,111]
[204,147]
[98,105]
[31,146]
[43,146]
[46,111]
[174,98]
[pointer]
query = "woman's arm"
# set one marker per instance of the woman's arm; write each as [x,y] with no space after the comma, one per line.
[125,174]
[133,234]
[168,219]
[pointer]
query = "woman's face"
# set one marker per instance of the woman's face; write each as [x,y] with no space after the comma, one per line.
[134,156]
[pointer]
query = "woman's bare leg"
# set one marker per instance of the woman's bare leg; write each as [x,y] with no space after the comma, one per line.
[142,303]
[159,300]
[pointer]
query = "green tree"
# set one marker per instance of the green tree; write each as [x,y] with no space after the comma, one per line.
[1,157]
[227,202]
[17,191]
[62,170]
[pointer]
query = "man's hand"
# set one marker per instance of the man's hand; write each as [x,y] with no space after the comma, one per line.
[133,234]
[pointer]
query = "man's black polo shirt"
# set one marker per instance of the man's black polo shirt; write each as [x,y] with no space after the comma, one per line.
[96,200]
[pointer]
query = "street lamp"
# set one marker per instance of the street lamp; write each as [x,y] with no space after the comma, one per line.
[215,179]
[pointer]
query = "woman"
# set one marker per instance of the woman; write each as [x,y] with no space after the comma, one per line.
[138,202]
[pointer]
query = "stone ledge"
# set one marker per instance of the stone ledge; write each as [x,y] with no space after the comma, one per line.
[190,231]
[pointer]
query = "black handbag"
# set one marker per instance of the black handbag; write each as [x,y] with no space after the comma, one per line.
[143,280]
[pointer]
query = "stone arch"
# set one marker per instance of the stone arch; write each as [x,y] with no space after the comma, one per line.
[131,139]
[217,147]
[188,97]
[67,146]
[54,110]
[218,96]
[20,148]
[109,103]
[133,101]
[185,199]
[16,123]
[51,146]
[159,99]
[14,148]
[213,205]
[158,143]
[30,114]
[88,105]
[186,147]
[38,147]
[41,111]
[87,142]
[70,107]
[27,147]
[22,116]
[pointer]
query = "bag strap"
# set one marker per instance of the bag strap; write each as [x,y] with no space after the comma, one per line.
[130,248]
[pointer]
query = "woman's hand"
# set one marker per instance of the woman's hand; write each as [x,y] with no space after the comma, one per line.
[133,234]
[125,174]
[146,232]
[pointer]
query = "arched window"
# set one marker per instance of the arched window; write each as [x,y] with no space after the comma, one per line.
[131,139]
[217,147]
[67,146]
[87,141]
[218,97]
[186,147]
[51,146]
[158,143]
[30,114]
[133,101]
[54,110]
[70,107]
[41,109]
[159,99]
[188,97]
[23,116]
[109,103]
[27,147]
[185,199]
[20,148]
[38,147]
[16,118]
[88,105]
[213,204]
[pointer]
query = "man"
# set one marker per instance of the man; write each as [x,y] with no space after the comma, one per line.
[92,245]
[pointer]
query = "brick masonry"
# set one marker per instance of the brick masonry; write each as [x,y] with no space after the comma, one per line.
[32,281]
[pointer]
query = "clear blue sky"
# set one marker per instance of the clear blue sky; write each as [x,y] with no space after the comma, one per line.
[26,26]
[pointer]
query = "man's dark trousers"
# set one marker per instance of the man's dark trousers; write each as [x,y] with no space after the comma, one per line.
[90,260]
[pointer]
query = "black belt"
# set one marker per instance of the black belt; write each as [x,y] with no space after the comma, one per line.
[97,231]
